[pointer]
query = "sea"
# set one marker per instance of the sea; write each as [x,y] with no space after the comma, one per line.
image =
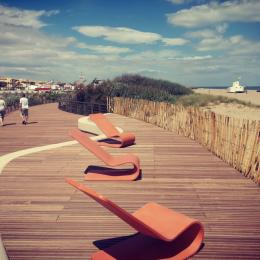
[221,87]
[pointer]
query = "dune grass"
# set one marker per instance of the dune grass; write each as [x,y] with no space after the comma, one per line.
[203,100]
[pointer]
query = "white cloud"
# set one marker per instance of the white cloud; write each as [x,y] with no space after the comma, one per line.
[174,41]
[192,58]
[149,56]
[221,43]
[245,48]
[127,35]
[27,38]
[147,70]
[118,34]
[177,1]
[221,28]
[103,48]
[235,45]
[206,33]
[27,18]
[214,12]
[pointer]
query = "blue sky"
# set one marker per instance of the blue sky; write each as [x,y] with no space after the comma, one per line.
[195,43]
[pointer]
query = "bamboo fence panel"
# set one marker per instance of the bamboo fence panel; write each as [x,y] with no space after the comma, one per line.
[235,141]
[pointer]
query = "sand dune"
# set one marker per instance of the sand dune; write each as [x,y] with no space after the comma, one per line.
[235,110]
[251,95]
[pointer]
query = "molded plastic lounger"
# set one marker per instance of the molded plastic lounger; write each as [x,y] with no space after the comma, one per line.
[103,173]
[118,139]
[163,233]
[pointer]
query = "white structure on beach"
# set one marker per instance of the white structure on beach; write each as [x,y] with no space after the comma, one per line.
[236,88]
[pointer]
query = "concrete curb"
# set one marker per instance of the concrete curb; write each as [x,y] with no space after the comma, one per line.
[5,159]
[3,254]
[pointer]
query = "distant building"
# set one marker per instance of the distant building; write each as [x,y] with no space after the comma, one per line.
[81,81]
[3,84]
[236,88]
[8,83]
[96,82]
[68,87]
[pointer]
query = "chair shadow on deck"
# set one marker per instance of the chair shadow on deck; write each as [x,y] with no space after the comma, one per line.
[9,124]
[109,141]
[142,247]
[162,232]
[111,172]
[33,122]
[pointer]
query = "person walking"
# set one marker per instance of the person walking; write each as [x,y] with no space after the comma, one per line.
[2,110]
[24,106]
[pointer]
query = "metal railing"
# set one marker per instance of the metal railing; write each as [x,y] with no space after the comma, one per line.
[15,106]
[11,108]
[82,108]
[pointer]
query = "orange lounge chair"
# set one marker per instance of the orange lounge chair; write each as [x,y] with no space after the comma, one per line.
[163,233]
[103,173]
[114,137]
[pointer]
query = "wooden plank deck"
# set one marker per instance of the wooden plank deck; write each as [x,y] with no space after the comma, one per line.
[47,125]
[42,217]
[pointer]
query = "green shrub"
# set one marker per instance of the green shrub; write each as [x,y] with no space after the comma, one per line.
[12,99]
[147,84]
[92,93]
[131,86]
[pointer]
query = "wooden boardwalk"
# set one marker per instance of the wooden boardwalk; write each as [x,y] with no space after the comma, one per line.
[42,217]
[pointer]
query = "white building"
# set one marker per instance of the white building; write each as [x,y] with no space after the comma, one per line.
[236,88]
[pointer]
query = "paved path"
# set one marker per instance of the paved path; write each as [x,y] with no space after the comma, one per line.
[41,217]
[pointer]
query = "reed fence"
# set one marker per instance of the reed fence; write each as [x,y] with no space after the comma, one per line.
[236,141]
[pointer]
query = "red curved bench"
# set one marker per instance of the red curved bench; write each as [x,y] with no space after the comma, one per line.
[104,173]
[118,139]
[163,233]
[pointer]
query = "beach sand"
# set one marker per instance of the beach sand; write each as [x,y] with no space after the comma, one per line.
[232,109]
[251,95]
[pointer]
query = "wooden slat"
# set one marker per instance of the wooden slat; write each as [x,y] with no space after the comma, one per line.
[42,217]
